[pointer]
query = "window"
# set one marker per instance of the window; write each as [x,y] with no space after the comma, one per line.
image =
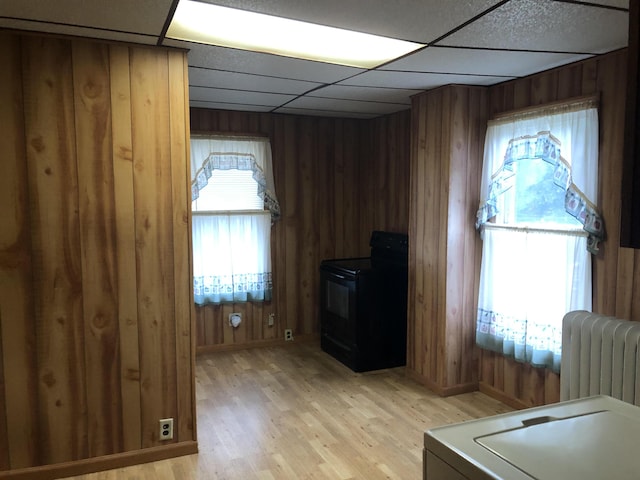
[233,205]
[539,226]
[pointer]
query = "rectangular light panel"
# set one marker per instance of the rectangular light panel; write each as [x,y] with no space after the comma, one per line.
[201,22]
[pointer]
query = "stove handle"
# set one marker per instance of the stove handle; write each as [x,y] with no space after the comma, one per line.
[339,276]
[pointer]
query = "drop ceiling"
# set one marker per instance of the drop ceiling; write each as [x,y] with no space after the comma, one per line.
[471,42]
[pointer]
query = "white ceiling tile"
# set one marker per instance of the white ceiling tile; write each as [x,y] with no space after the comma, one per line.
[419,81]
[242,81]
[140,16]
[546,25]
[481,62]
[237,96]
[231,59]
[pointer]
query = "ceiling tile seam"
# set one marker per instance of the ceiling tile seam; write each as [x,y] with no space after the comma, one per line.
[450,32]
[253,74]
[435,72]
[515,50]
[378,87]
[73,25]
[167,22]
[596,5]
[242,90]
[469,22]
[233,103]
[378,102]
[329,111]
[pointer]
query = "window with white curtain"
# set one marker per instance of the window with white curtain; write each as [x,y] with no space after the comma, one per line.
[539,227]
[233,206]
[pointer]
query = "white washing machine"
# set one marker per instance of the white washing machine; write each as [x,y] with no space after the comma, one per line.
[592,438]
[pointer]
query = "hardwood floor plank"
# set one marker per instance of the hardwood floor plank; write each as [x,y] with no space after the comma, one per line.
[293,412]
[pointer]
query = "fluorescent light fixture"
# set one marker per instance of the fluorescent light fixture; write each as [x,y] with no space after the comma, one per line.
[202,22]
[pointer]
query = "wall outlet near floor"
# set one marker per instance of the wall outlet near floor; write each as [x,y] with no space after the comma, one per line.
[235,319]
[288,334]
[166,429]
[272,319]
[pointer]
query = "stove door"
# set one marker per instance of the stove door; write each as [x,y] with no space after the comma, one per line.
[341,308]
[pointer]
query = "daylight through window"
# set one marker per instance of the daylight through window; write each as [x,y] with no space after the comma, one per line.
[233,206]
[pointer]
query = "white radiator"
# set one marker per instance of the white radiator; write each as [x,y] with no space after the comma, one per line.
[600,356]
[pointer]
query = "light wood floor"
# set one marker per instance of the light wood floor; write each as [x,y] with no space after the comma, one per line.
[293,412]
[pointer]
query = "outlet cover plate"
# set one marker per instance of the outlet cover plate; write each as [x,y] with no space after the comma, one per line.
[166,429]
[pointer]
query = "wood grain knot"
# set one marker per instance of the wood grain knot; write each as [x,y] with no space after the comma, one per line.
[99,321]
[125,153]
[37,144]
[92,89]
[49,379]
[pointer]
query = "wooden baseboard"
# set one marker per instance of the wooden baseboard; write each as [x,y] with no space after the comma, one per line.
[503,397]
[223,347]
[439,389]
[107,462]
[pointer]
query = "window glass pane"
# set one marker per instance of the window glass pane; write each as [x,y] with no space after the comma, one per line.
[229,190]
[537,199]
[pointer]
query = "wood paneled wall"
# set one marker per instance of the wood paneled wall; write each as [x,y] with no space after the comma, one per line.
[616,271]
[95,302]
[438,341]
[448,127]
[336,180]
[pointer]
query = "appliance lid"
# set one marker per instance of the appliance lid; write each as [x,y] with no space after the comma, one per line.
[461,442]
[588,446]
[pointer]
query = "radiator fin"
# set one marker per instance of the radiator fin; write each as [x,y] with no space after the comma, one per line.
[600,356]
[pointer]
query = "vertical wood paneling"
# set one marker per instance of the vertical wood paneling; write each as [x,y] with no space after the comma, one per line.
[336,180]
[445,166]
[154,239]
[95,312]
[18,398]
[58,296]
[416,345]
[98,240]
[122,150]
[611,118]
[183,271]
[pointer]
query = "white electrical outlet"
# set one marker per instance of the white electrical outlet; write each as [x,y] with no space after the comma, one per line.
[272,318]
[166,429]
[288,334]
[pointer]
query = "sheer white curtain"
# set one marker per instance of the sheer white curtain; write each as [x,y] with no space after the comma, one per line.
[531,275]
[233,260]
[232,250]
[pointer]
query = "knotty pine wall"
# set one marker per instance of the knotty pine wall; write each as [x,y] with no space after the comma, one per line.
[336,180]
[95,297]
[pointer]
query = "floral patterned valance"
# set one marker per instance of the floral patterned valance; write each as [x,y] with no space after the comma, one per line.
[545,147]
[215,152]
